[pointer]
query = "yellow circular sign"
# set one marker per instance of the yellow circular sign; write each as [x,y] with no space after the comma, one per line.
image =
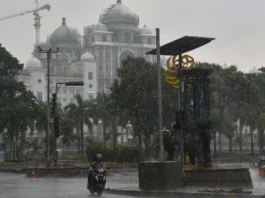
[171,73]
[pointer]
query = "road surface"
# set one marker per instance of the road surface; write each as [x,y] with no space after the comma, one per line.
[18,186]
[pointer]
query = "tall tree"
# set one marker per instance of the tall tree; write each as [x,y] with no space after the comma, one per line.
[261,128]
[16,103]
[136,93]
[102,112]
[79,112]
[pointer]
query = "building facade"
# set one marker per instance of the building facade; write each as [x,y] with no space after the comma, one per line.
[93,57]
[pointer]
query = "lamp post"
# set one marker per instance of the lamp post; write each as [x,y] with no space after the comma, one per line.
[129,132]
[48,52]
[56,118]
[161,157]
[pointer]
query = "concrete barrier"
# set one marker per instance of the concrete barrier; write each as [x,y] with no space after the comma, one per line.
[160,175]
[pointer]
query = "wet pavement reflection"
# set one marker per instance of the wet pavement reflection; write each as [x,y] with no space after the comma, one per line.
[18,186]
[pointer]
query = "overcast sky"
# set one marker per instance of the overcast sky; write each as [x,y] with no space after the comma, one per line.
[237,25]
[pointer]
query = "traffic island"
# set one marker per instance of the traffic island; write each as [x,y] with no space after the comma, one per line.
[160,175]
[219,177]
[180,193]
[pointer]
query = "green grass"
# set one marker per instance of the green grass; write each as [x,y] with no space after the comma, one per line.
[109,164]
[7,164]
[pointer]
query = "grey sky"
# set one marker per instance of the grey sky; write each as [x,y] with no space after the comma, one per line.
[237,25]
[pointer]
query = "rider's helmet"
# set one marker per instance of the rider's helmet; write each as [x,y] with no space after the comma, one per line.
[99,157]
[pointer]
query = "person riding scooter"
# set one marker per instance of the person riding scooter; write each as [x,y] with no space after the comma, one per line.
[95,165]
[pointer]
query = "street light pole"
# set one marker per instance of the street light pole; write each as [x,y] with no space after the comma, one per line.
[181,108]
[48,52]
[161,157]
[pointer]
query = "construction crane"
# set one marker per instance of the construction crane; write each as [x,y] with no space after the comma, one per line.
[37,17]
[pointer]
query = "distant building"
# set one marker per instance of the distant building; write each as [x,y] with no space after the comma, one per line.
[105,45]
[92,58]
[254,70]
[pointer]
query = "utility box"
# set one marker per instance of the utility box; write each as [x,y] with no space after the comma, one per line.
[160,175]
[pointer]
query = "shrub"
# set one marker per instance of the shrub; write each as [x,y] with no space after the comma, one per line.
[121,153]
[128,153]
[94,148]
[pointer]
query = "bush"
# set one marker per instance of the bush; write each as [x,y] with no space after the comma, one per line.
[94,148]
[128,153]
[121,153]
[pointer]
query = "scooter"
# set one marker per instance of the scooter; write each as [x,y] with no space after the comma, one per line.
[97,182]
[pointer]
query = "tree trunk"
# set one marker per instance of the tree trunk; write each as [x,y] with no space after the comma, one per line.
[104,135]
[14,150]
[206,150]
[192,156]
[170,154]
[214,145]
[23,141]
[78,139]
[252,143]
[261,142]
[240,138]
[230,144]
[114,133]
[148,147]
[55,151]
[82,137]
[220,142]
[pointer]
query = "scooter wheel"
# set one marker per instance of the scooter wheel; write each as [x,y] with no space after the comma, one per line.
[91,192]
[99,193]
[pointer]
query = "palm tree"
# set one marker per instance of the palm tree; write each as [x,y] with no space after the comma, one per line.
[101,111]
[41,121]
[79,112]
[67,126]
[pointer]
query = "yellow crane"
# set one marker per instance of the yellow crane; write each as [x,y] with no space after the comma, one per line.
[37,17]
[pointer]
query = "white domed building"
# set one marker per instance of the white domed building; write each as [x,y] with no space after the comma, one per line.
[33,76]
[68,65]
[95,60]
[116,37]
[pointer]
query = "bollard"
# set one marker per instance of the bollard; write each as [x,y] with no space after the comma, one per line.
[33,174]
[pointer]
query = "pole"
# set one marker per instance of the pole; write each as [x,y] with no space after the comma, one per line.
[181,108]
[55,139]
[48,52]
[161,157]
[48,109]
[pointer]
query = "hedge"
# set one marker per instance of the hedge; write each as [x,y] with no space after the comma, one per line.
[121,153]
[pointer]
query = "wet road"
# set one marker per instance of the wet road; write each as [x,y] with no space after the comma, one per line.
[18,186]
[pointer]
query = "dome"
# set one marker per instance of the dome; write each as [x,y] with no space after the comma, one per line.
[119,13]
[100,27]
[87,56]
[33,63]
[64,34]
[145,30]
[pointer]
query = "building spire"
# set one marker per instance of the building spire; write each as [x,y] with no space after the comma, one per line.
[118,1]
[63,21]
